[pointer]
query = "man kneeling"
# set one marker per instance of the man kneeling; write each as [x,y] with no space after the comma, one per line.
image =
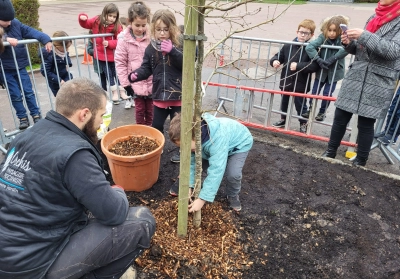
[52,176]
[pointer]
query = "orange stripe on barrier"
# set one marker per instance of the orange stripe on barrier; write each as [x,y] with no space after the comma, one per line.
[293,133]
[310,96]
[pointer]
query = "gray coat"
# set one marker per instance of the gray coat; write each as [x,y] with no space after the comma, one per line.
[370,82]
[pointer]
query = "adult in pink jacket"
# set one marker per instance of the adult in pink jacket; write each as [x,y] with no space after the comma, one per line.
[107,22]
[132,43]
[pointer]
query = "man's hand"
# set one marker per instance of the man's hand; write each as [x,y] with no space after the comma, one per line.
[293,66]
[276,64]
[166,46]
[83,17]
[49,46]
[196,205]
[12,41]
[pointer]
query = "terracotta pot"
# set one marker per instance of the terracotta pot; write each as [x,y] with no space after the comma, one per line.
[133,173]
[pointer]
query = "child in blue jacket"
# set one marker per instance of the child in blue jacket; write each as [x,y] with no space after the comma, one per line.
[225,144]
[56,63]
[14,74]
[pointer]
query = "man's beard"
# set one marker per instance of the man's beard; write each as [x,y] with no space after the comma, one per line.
[90,131]
[6,29]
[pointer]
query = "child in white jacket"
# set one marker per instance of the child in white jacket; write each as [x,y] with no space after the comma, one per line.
[129,56]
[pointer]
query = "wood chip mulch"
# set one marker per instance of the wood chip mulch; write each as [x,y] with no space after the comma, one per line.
[134,146]
[211,251]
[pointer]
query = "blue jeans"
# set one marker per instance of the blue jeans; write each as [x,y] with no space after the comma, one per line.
[327,92]
[233,172]
[15,92]
[393,124]
[104,252]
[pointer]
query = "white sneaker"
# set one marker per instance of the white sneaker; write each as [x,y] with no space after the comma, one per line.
[128,103]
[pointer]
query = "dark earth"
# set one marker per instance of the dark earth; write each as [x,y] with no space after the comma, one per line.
[302,217]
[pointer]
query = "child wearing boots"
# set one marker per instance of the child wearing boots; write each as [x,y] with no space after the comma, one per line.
[107,22]
[129,54]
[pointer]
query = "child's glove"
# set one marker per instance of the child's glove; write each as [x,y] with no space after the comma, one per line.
[330,60]
[132,77]
[321,63]
[129,90]
[166,46]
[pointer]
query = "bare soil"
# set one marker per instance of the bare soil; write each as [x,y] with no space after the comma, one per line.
[302,217]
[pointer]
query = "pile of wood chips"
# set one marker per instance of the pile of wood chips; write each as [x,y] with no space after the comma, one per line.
[134,146]
[211,251]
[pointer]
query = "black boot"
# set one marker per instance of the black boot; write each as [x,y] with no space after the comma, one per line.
[330,153]
[359,162]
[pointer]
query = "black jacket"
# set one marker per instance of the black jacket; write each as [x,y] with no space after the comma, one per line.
[51,175]
[166,71]
[51,61]
[290,81]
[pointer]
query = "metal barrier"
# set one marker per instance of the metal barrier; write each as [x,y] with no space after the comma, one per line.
[43,94]
[246,88]
[247,82]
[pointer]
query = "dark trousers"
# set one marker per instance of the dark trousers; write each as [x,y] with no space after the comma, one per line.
[109,71]
[365,127]
[299,103]
[327,92]
[233,172]
[161,114]
[103,80]
[144,110]
[99,251]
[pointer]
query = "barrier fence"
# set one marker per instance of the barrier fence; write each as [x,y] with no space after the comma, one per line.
[247,88]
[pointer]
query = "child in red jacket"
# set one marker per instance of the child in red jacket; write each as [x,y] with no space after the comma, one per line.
[107,22]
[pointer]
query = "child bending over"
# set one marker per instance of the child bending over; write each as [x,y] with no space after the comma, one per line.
[225,144]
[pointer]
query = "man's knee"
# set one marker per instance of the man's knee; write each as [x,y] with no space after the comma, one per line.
[143,215]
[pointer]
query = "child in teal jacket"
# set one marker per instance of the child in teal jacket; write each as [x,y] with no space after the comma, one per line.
[331,62]
[225,144]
